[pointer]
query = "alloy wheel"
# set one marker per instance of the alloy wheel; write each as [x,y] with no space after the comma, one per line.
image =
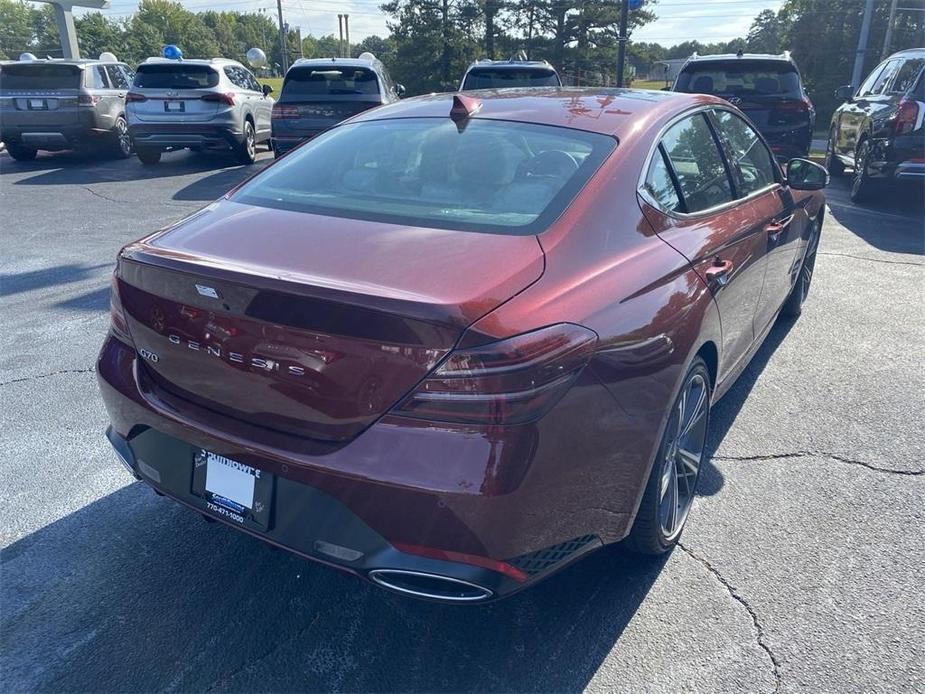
[683,453]
[124,139]
[860,168]
[251,142]
[809,264]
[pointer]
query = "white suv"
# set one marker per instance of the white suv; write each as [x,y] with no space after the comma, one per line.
[212,104]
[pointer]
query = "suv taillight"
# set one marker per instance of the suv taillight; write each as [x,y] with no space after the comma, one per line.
[283,111]
[906,116]
[512,381]
[135,96]
[223,98]
[118,324]
[803,104]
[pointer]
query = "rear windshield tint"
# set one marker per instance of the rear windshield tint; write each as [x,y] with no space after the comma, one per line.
[746,78]
[338,82]
[39,76]
[175,76]
[488,78]
[492,176]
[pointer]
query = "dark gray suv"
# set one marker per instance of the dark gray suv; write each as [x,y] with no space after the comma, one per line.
[63,104]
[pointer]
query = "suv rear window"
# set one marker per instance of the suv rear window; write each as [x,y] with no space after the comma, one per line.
[502,78]
[302,82]
[39,76]
[175,76]
[740,78]
[491,176]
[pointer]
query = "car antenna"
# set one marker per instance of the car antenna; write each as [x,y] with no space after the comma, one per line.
[464,107]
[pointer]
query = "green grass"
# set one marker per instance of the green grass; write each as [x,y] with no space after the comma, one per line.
[275,82]
[648,84]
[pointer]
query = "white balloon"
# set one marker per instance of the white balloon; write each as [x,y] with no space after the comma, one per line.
[27,57]
[108,57]
[367,56]
[256,57]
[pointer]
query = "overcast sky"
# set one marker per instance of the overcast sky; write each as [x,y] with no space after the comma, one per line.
[679,20]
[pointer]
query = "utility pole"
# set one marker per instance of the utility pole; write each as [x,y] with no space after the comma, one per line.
[346,36]
[301,48]
[340,40]
[284,51]
[889,30]
[862,46]
[621,40]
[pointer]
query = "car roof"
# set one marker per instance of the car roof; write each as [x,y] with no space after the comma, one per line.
[782,57]
[909,53]
[334,62]
[79,62]
[619,112]
[213,62]
[513,64]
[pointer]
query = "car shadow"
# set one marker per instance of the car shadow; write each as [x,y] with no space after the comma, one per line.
[216,185]
[19,282]
[135,593]
[899,214]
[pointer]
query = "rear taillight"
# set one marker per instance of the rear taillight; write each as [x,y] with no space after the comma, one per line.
[88,100]
[803,104]
[135,96]
[282,111]
[512,381]
[118,324]
[222,98]
[906,116]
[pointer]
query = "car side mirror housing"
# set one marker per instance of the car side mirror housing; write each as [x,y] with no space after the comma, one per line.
[400,89]
[803,174]
[267,90]
[844,93]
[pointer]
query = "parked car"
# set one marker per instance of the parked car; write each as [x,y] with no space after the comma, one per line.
[458,342]
[505,74]
[319,93]
[878,130]
[767,88]
[64,104]
[214,104]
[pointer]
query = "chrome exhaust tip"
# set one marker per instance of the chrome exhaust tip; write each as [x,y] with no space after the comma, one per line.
[430,586]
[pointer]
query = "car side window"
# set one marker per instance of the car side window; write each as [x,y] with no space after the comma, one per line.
[884,77]
[868,84]
[234,74]
[697,163]
[250,82]
[129,74]
[98,78]
[116,77]
[907,74]
[751,160]
[659,183]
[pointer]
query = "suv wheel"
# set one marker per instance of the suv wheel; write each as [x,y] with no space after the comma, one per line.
[148,156]
[862,185]
[832,163]
[20,153]
[122,141]
[247,150]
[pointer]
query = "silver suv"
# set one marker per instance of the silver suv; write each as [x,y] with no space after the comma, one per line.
[63,104]
[212,104]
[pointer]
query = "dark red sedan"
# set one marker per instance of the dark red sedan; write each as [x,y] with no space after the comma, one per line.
[456,343]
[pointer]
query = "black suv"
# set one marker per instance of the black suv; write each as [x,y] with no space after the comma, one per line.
[878,131]
[64,104]
[318,93]
[768,88]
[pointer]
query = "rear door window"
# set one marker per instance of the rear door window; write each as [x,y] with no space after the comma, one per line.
[502,78]
[743,78]
[698,164]
[907,75]
[237,77]
[883,79]
[175,76]
[751,161]
[39,76]
[330,82]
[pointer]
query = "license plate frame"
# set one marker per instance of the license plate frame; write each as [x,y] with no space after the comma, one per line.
[230,479]
[172,106]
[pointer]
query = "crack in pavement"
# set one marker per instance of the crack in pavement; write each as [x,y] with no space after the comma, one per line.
[873,260]
[53,373]
[819,454]
[104,197]
[735,595]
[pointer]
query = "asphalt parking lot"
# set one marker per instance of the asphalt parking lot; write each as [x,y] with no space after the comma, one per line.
[801,568]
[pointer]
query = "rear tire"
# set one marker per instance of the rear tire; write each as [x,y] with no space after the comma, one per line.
[247,151]
[793,306]
[672,484]
[832,163]
[20,153]
[148,157]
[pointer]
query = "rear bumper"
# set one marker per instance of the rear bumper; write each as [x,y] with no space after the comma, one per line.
[52,137]
[165,135]
[901,158]
[497,514]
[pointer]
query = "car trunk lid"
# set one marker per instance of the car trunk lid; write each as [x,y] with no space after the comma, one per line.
[37,94]
[176,93]
[310,325]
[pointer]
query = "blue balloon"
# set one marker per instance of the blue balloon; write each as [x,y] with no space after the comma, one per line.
[171,52]
[636,4]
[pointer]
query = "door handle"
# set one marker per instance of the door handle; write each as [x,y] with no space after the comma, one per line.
[719,272]
[777,226]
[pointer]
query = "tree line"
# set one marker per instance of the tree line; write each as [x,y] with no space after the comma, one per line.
[431,42]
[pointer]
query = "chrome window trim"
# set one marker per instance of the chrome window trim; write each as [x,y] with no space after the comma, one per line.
[653,148]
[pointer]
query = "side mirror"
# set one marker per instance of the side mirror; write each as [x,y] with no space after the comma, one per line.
[400,90]
[666,89]
[803,174]
[844,93]
[267,90]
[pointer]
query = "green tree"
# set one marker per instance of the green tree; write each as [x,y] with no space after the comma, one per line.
[16,27]
[764,36]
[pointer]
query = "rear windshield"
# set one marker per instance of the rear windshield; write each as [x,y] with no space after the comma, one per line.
[39,76]
[491,176]
[319,82]
[744,78]
[501,78]
[175,76]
